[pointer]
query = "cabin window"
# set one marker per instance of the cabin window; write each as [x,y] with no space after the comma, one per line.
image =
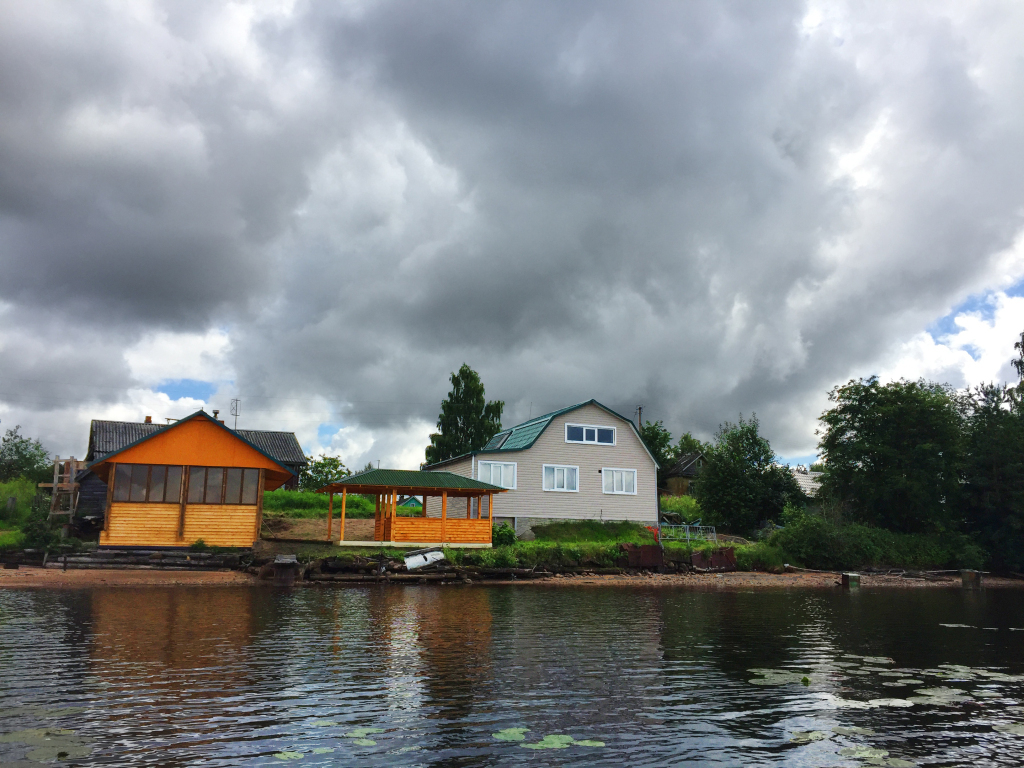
[585,433]
[558,478]
[497,473]
[223,485]
[618,480]
[157,484]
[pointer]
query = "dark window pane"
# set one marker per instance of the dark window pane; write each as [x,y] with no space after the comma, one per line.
[590,435]
[606,436]
[574,433]
[172,492]
[140,474]
[251,486]
[122,481]
[214,484]
[233,487]
[157,475]
[196,484]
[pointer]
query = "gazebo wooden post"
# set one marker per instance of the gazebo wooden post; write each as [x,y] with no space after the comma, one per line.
[469,507]
[424,505]
[444,514]
[490,507]
[376,518]
[341,534]
[330,514]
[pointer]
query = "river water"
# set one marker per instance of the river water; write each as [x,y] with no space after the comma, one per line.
[511,676]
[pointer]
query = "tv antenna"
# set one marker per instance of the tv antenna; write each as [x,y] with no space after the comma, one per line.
[236,407]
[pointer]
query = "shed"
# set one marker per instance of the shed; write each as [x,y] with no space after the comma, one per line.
[458,524]
[683,473]
[191,480]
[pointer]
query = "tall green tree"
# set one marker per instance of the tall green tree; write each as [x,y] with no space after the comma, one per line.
[892,453]
[687,443]
[467,421]
[659,442]
[22,456]
[742,485]
[993,473]
[322,471]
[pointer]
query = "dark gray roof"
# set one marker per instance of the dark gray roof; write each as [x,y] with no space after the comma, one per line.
[109,436]
[687,466]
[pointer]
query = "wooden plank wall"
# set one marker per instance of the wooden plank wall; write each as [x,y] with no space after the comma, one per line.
[428,530]
[156,525]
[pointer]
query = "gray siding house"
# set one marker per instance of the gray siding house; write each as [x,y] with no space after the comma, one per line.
[584,462]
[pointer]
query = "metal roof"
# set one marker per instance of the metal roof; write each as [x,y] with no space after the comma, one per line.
[687,466]
[409,478]
[522,436]
[106,437]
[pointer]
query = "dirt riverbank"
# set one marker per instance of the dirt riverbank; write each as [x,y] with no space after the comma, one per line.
[32,577]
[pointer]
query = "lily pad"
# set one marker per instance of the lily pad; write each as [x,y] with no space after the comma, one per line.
[957,626]
[324,723]
[777,677]
[852,730]
[588,743]
[554,741]
[984,694]
[806,737]
[359,733]
[909,681]
[364,742]
[288,755]
[510,734]
[1017,729]
[403,750]
[877,660]
[863,752]
[895,762]
[36,736]
[59,752]
[322,750]
[890,703]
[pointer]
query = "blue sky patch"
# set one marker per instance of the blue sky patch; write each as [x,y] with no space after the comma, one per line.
[178,388]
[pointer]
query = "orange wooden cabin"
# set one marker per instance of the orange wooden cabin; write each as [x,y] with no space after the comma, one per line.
[466,509]
[193,479]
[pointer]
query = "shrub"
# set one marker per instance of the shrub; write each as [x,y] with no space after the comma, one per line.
[23,491]
[504,536]
[594,530]
[685,506]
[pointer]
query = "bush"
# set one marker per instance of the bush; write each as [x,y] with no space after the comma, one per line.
[685,506]
[11,540]
[24,491]
[504,536]
[813,542]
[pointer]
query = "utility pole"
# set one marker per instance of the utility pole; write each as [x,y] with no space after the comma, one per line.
[639,417]
[236,406]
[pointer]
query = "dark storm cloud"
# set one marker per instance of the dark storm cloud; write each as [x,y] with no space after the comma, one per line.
[708,208]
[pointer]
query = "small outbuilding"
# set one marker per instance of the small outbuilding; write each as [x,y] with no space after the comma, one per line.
[459,522]
[680,476]
[194,479]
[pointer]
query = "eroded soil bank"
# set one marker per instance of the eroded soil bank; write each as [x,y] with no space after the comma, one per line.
[34,577]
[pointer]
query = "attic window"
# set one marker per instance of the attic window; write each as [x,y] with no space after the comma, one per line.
[585,433]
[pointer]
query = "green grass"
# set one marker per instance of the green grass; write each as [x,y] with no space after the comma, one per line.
[592,531]
[24,491]
[685,506]
[10,540]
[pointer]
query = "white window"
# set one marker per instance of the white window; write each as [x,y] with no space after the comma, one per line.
[497,473]
[558,478]
[588,433]
[618,480]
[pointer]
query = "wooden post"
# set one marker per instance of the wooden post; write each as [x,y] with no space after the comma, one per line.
[490,507]
[444,514]
[424,505]
[344,495]
[259,504]
[377,519]
[469,507]
[330,514]
[110,498]
[186,476]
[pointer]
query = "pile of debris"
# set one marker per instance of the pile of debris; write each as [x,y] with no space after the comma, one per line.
[147,559]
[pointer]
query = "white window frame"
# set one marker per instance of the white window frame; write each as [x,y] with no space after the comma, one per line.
[559,490]
[595,427]
[613,492]
[513,464]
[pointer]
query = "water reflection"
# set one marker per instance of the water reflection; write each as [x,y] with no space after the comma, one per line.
[569,676]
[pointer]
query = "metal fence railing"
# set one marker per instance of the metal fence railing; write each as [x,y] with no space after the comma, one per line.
[688,533]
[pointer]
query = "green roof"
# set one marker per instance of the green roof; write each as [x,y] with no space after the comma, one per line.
[522,436]
[408,478]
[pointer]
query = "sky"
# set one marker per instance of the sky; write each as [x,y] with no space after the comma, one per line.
[323,209]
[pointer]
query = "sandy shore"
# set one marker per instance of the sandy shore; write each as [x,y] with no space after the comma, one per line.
[32,577]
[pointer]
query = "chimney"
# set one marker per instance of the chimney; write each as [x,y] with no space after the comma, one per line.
[149,419]
[215,412]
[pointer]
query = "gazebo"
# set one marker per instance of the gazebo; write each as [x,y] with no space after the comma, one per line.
[470,524]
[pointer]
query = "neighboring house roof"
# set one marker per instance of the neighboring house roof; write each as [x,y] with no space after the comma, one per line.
[689,465]
[411,479]
[523,436]
[106,437]
[809,482]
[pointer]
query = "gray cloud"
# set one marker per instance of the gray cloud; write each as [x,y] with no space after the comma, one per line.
[707,208]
